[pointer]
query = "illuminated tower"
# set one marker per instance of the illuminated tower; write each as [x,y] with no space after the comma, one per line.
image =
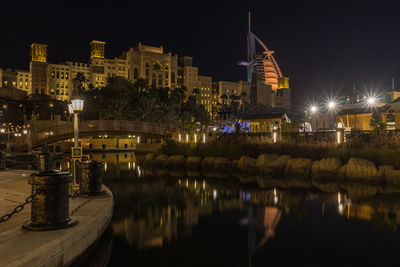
[39,52]
[38,68]
[97,49]
[263,67]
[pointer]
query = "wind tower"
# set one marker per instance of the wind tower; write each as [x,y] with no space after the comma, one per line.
[38,68]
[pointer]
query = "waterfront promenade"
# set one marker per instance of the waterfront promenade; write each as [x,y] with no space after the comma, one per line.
[48,248]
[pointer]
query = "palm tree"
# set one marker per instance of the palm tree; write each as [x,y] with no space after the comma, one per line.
[78,84]
[145,108]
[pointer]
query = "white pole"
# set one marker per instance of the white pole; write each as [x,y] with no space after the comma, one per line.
[76,133]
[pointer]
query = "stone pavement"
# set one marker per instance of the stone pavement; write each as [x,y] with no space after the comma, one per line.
[51,248]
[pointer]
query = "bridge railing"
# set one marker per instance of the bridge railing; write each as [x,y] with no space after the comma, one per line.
[87,128]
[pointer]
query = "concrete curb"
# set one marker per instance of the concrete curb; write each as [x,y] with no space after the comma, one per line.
[61,247]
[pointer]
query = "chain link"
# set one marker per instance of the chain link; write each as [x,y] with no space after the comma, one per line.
[20,207]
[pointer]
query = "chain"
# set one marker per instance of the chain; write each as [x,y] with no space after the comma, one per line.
[20,207]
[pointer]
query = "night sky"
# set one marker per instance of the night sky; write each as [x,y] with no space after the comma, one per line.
[323,46]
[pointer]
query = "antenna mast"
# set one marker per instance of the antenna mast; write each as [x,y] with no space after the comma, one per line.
[393,84]
[249,20]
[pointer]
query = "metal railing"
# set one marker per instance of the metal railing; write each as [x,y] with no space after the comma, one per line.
[89,128]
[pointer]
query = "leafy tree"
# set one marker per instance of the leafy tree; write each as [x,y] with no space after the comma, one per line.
[115,98]
[78,84]
[377,124]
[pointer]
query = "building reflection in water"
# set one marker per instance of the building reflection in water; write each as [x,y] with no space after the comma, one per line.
[151,211]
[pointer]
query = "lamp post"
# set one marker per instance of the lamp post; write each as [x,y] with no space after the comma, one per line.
[51,111]
[75,107]
[6,130]
[314,111]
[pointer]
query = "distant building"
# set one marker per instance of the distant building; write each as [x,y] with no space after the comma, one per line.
[265,123]
[205,96]
[151,63]
[358,118]
[262,67]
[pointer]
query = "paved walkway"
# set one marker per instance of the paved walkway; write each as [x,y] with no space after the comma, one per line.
[51,248]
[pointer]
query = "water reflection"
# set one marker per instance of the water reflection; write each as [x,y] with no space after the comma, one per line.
[164,210]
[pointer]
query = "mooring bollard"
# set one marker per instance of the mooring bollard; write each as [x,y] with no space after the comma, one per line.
[50,201]
[90,177]
[45,162]
[2,161]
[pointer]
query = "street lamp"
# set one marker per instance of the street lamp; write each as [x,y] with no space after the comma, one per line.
[75,107]
[331,104]
[371,100]
[313,109]
[51,105]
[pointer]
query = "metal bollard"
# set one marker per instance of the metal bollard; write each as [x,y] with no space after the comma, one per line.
[50,204]
[45,162]
[90,177]
[2,161]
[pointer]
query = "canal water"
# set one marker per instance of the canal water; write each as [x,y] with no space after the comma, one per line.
[173,218]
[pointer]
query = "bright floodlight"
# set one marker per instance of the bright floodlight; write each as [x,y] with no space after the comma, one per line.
[77,105]
[371,100]
[313,109]
[331,104]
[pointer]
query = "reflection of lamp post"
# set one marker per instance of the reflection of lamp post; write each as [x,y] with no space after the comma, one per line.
[75,107]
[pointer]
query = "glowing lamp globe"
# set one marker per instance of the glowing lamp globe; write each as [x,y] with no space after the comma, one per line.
[332,104]
[77,105]
[313,109]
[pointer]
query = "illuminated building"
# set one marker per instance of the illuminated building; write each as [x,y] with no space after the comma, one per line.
[262,66]
[205,96]
[160,69]
[188,74]
[151,63]
[38,69]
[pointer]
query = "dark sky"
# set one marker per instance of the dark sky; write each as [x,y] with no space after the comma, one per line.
[323,46]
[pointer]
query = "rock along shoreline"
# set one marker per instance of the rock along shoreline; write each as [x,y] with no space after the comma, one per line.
[279,166]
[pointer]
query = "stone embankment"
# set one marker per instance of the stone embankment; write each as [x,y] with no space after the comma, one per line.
[62,247]
[273,165]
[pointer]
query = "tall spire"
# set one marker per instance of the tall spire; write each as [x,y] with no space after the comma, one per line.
[393,84]
[249,20]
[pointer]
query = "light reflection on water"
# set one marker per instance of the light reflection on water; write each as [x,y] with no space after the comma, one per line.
[164,212]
